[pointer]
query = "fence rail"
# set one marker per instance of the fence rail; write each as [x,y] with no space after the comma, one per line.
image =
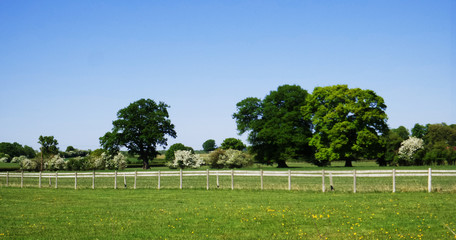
[232,174]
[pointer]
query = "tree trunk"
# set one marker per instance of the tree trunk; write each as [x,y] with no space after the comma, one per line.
[348,163]
[282,164]
[146,164]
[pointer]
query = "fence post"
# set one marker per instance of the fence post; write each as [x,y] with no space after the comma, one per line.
[180,176]
[50,183]
[93,179]
[218,183]
[56,178]
[354,181]
[115,180]
[323,180]
[289,179]
[232,179]
[39,181]
[75,180]
[22,179]
[331,184]
[7,178]
[136,175]
[159,178]
[430,180]
[125,181]
[207,179]
[262,183]
[394,180]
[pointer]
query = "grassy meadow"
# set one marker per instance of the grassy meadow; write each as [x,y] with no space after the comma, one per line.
[33,213]
[221,213]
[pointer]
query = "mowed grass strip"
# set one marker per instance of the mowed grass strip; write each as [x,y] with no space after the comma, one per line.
[32,213]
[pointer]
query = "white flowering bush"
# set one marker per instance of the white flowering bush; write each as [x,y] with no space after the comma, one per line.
[186,159]
[237,159]
[55,163]
[18,159]
[99,162]
[4,157]
[217,158]
[117,162]
[28,164]
[408,149]
[229,159]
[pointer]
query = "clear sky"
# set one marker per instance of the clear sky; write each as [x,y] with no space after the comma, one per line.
[67,67]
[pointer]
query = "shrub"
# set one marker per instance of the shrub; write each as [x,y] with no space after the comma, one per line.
[237,159]
[18,159]
[451,156]
[169,155]
[116,162]
[75,153]
[217,158]
[75,164]
[99,161]
[408,149]
[4,157]
[55,163]
[28,164]
[229,159]
[186,159]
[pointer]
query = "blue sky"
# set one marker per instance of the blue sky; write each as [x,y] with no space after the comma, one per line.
[67,67]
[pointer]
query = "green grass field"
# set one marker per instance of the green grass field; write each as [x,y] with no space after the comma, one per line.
[32,213]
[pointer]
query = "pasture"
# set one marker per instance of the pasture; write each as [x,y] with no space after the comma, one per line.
[221,213]
[33,213]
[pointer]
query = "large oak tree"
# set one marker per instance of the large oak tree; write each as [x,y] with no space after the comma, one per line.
[277,129]
[348,124]
[141,128]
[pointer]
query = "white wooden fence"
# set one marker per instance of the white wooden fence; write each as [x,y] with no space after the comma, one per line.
[323,174]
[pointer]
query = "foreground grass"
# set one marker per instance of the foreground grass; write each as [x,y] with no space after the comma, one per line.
[31,213]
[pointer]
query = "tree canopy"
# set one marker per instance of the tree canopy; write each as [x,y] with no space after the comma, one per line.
[15,150]
[209,145]
[141,128]
[402,131]
[347,122]
[233,143]
[419,131]
[48,145]
[276,127]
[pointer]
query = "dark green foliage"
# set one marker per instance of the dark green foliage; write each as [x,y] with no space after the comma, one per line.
[439,145]
[209,145]
[69,149]
[141,128]
[75,164]
[393,139]
[277,129]
[402,131]
[48,145]
[440,134]
[96,153]
[169,155]
[15,150]
[419,131]
[72,152]
[233,143]
[348,124]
